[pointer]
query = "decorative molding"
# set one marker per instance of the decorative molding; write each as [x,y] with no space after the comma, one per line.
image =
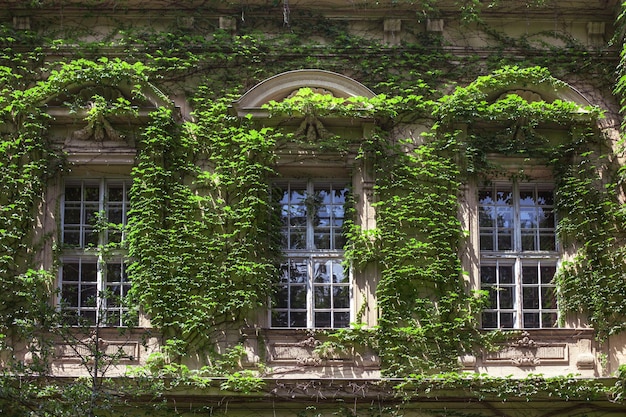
[526,352]
[124,351]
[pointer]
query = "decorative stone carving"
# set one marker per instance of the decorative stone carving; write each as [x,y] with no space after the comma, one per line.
[98,128]
[312,129]
[525,341]
[525,352]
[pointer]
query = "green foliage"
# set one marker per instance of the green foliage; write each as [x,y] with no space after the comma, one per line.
[202,233]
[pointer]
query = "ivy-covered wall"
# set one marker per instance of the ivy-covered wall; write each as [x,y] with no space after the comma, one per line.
[203,231]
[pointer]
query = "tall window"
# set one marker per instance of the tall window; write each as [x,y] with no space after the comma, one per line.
[314,287]
[93,279]
[518,255]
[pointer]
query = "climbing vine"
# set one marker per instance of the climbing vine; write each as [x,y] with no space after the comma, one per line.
[203,232]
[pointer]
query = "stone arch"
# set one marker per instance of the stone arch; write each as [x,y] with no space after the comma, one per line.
[548,90]
[281,86]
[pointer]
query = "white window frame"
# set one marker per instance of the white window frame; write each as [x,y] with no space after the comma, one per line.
[96,309]
[308,256]
[517,302]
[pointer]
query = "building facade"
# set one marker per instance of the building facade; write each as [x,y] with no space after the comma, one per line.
[296,208]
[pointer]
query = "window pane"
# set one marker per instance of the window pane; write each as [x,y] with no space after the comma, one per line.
[297,296]
[507,320]
[488,274]
[486,242]
[547,274]
[280,318]
[490,320]
[549,319]
[341,319]
[507,297]
[530,275]
[298,319]
[528,242]
[341,297]
[530,297]
[505,275]
[73,193]
[92,193]
[281,299]
[322,319]
[322,296]
[69,295]
[505,240]
[531,320]
[548,297]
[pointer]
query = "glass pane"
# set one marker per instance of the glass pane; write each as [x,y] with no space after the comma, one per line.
[486,242]
[341,297]
[71,237]
[70,272]
[526,198]
[298,319]
[69,294]
[322,319]
[486,217]
[547,242]
[528,218]
[530,296]
[504,217]
[114,214]
[321,271]
[339,241]
[485,197]
[506,274]
[341,319]
[530,275]
[548,297]
[493,297]
[531,320]
[112,318]
[488,274]
[546,219]
[503,197]
[279,319]
[528,242]
[322,240]
[506,320]
[338,273]
[114,272]
[490,320]
[507,297]
[297,239]
[89,272]
[88,295]
[298,296]
[71,214]
[87,317]
[116,193]
[90,238]
[92,193]
[297,221]
[298,272]
[547,274]
[322,296]
[73,193]
[548,319]
[505,240]
[545,198]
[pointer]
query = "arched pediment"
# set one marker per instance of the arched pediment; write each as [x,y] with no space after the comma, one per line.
[283,85]
[547,91]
